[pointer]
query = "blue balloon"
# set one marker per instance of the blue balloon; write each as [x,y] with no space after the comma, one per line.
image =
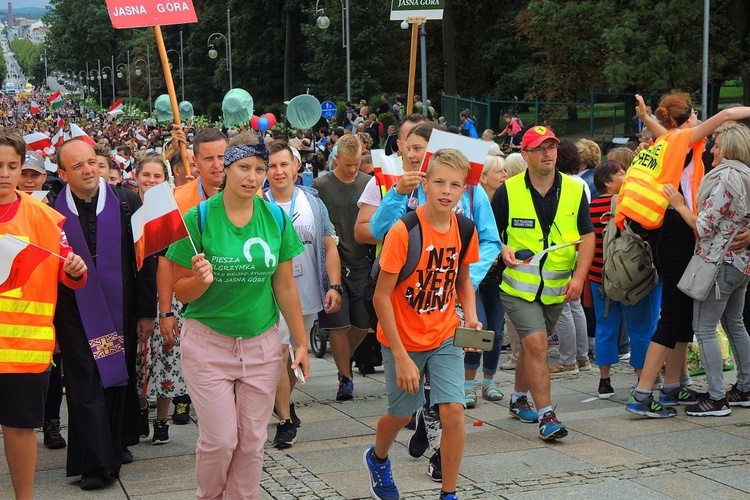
[263,124]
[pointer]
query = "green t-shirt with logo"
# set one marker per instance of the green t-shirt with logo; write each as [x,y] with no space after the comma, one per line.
[240,301]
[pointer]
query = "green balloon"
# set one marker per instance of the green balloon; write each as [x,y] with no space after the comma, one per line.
[163,109]
[186,111]
[303,111]
[237,107]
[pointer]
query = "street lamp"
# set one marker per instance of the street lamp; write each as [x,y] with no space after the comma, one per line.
[213,54]
[138,72]
[43,57]
[82,78]
[180,70]
[112,73]
[324,22]
[120,75]
[98,77]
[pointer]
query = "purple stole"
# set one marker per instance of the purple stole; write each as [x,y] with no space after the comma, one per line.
[100,301]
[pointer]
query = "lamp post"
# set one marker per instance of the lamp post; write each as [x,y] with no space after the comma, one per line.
[120,74]
[324,22]
[180,70]
[138,72]
[98,77]
[43,57]
[228,43]
[83,80]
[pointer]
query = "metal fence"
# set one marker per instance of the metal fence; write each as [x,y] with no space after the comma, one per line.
[604,116]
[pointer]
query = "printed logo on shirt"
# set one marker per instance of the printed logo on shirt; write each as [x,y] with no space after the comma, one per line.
[523,223]
[260,265]
[437,283]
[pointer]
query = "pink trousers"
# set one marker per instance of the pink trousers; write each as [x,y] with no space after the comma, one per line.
[232,383]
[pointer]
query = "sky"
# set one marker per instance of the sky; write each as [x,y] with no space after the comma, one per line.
[27,3]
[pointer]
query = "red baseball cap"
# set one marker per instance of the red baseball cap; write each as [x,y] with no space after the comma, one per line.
[537,135]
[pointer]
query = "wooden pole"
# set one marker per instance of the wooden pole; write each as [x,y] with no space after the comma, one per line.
[415,22]
[172,93]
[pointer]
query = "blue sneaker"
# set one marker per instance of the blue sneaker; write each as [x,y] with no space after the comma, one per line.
[346,389]
[680,395]
[551,428]
[649,408]
[523,410]
[449,496]
[382,486]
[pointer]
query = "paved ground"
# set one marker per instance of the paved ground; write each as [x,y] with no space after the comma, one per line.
[609,453]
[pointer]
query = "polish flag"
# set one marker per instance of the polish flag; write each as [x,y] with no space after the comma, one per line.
[60,122]
[158,223]
[140,137]
[116,108]
[77,132]
[58,138]
[37,141]
[35,110]
[475,151]
[18,260]
[387,169]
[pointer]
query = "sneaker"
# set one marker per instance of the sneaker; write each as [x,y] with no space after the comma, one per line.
[286,435]
[553,339]
[382,486]
[649,408]
[418,443]
[491,393]
[126,457]
[470,397]
[448,496]
[145,428]
[584,366]
[161,432]
[523,410]
[735,397]
[551,428]
[605,389]
[181,414]
[435,467]
[681,395]
[568,369]
[346,389]
[508,365]
[709,408]
[624,357]
[293,415]
[52,437]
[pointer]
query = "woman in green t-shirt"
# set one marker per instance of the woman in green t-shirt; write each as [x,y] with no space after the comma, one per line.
[231,350]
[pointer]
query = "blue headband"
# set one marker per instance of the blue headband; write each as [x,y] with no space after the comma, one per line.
[235,153]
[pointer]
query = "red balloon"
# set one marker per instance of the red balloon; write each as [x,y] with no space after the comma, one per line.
[254,122]
[271,119]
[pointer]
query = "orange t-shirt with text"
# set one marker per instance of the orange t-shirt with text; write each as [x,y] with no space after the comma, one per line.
[425,303]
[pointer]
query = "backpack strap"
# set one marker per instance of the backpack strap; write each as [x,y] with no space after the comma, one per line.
[125,207]
[466,231]
[278,214]
[414,247]
[202,215]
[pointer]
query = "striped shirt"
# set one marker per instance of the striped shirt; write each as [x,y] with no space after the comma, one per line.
[597,208]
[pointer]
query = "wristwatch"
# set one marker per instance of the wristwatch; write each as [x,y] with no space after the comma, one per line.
[338,288]
[170,314]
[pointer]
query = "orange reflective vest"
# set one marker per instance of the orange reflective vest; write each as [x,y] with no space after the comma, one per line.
[27,336]
[642,197]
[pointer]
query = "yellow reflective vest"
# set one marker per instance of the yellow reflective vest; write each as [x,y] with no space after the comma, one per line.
[546,280]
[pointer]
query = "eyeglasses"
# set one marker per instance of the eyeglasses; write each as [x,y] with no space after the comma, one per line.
[541,149]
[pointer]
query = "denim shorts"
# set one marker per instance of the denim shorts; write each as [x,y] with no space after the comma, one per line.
[446,367]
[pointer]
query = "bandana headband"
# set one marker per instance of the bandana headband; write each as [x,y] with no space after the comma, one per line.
[235,153]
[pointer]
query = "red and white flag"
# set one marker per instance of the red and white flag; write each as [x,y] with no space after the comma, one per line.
[475,151]
[387,169]
[116,108]
[58,138]
[158,223]
[77,132]
[37,141]
[35,110]
[18,260]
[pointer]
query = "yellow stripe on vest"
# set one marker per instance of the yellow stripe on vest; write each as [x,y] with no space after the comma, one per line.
[20,356]
[27,332]
[27,307]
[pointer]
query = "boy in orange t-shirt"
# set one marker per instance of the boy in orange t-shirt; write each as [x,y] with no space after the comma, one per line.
[417,321]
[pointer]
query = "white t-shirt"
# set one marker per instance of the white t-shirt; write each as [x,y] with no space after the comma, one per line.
[305,265]
[371,194]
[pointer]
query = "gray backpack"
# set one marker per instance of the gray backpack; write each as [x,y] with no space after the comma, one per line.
[629,272]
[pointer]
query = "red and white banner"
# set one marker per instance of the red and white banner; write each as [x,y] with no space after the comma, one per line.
[475,151]
[37,141]
[158,223]
[35,110]
[58,138]
[145,13]
[18,260]
[77,132]
[387,169]
[116,108]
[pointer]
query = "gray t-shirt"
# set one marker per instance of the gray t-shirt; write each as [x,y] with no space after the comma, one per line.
[341,200]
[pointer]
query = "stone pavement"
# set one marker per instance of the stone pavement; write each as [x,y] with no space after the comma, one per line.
[608,453]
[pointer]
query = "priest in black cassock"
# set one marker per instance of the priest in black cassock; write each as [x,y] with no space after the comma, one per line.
[98,325]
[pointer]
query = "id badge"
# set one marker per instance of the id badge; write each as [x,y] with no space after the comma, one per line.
[297,270]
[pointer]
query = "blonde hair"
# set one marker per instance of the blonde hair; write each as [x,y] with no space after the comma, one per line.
[735,142]
[623,155]
[591,153]
[493,164]
[349,145]
[451,157]
[514,164]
